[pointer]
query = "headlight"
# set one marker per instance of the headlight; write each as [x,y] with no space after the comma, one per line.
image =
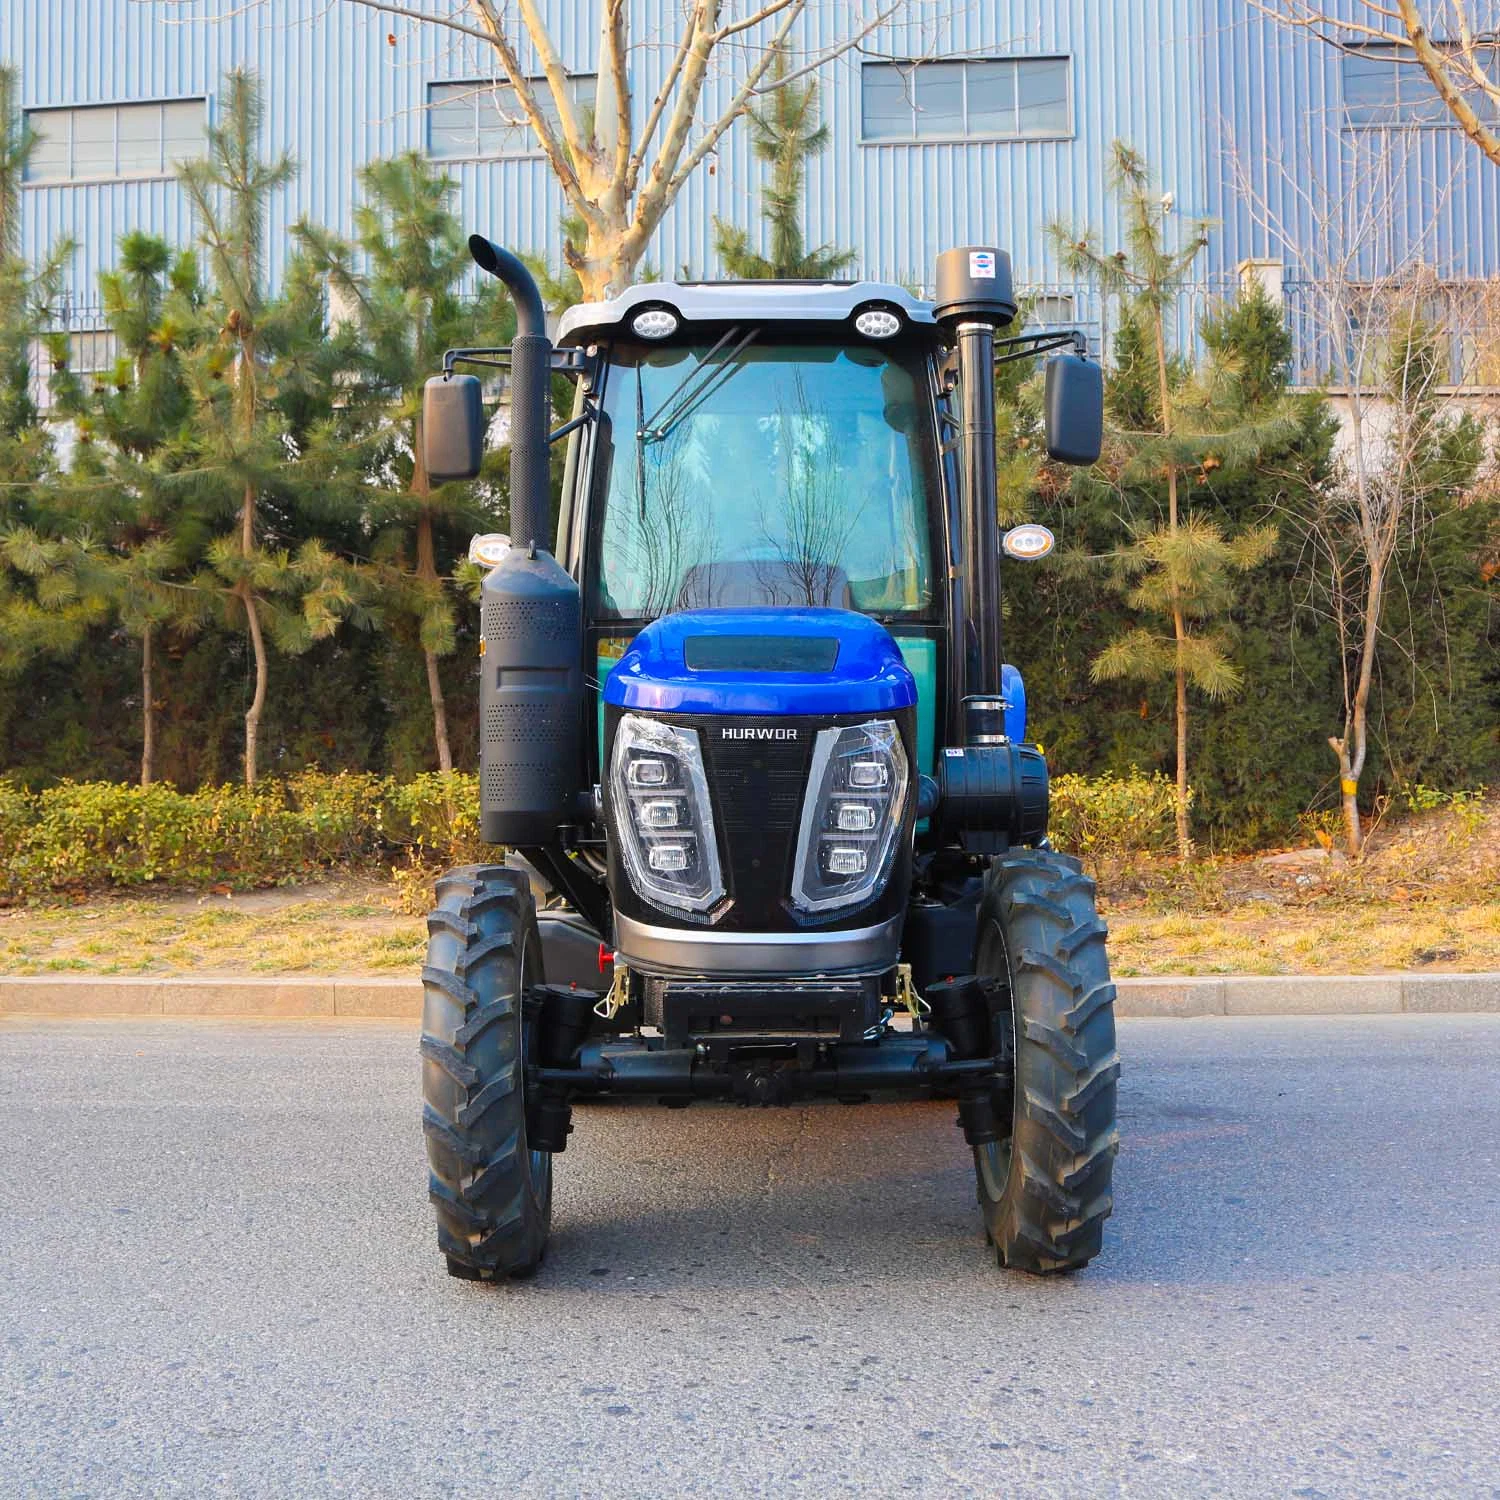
[666,824]
[851,817]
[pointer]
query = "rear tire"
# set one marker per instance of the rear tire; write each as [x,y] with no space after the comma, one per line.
[493,1195]
[1046,1190]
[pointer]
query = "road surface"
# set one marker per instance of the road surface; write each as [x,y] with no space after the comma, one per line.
[219,1277]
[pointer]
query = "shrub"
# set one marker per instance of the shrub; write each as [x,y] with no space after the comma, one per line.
[16,813]
[88,835]
[435,818]
[1100,818]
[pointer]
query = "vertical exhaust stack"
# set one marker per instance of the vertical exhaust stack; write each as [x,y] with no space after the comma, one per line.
[976,295]
[531,615]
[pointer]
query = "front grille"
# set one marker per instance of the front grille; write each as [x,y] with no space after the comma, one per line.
[757,788]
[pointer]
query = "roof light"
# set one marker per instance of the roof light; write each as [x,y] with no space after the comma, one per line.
[877,323]
[655,323]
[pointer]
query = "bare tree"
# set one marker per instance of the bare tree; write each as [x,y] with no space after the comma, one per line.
[1393,344]
[1454,42]
[621,166]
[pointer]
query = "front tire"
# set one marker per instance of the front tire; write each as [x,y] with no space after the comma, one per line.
[1046,1189]
[492,1193]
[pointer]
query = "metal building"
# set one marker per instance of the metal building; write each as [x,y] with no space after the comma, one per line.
[1001,130]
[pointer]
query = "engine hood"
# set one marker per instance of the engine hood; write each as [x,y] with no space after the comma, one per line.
[762,662]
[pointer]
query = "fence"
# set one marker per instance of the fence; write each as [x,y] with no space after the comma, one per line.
[1342,333]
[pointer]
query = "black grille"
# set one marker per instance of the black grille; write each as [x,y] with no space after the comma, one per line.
[757,788]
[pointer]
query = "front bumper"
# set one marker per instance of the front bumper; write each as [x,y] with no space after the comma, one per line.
[699,950]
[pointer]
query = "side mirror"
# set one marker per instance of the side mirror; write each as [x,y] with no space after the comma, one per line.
[1075,410]
[452,428]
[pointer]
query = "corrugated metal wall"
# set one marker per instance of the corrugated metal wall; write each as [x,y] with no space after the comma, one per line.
[345,85]
[1290,180]
[1208,89]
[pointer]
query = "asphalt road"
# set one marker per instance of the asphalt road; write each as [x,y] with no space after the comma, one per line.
[218,1276]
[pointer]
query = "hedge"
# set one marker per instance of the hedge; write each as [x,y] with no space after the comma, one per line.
[80,836]
[1106,817]
[94,835]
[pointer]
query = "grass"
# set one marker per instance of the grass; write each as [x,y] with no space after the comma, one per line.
[216,935]
[1336,940]
[293,932]
[1423,899]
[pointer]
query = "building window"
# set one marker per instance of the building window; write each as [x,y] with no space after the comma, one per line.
[114,140]
[479,117]
[1386,87]
[991,99]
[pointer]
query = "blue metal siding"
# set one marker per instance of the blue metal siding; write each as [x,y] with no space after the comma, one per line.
[338,95]
[1278,153]
[1187,81]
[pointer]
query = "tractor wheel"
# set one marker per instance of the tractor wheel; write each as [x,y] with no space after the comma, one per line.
[493,1194]
[1045,1190]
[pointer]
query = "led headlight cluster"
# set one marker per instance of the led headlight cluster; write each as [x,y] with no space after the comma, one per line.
[665,820]
[851,817]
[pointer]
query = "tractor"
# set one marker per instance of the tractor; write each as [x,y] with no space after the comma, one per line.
[768,826]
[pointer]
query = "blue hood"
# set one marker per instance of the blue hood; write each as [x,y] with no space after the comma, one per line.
[762,661]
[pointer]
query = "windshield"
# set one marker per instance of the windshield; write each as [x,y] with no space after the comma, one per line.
[747,473]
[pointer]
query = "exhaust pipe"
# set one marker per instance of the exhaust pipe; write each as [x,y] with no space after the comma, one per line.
[975,295]
[531,622]
[530,396]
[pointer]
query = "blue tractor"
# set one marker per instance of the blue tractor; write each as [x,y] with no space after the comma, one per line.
[771,826]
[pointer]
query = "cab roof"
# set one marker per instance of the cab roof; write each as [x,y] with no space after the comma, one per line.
[740,302]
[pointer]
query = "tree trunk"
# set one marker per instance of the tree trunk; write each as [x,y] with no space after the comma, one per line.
[1184,832]
[608,265]
[258,702]
[439,711]
[427,571]
[148,714]
[1179,624]
[1348,798]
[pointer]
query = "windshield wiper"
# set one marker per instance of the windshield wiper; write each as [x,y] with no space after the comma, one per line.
[694,389]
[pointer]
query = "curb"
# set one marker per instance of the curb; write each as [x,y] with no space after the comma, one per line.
[400,999]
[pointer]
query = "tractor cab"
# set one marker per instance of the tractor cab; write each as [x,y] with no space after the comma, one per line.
[775,828]
[756,446]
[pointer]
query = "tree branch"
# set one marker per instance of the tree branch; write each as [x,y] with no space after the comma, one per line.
[559,158]
[422,15]
[557,78]
[615,22]
[1436,65]
[659,104]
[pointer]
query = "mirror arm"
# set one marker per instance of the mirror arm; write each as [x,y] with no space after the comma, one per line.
[590,411]
[1008,351]
[564,361]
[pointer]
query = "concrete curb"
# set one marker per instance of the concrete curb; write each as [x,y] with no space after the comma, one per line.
[334,996]
[315,997]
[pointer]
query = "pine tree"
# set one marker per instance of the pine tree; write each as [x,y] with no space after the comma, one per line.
[786,135]
[1172,429]
[262,442]
[408,309]
[43,610]
[139,543]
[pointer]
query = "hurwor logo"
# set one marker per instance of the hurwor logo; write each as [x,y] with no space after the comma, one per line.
[758,733]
